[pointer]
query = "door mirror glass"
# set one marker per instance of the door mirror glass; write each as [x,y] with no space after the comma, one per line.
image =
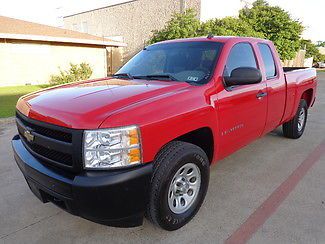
[243,76]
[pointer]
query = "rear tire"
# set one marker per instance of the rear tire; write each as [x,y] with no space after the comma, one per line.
[178,186]
[296,127]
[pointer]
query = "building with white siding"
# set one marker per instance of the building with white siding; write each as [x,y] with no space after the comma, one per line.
[30,53]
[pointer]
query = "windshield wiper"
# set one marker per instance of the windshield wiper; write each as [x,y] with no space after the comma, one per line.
[123,75]
[158,77]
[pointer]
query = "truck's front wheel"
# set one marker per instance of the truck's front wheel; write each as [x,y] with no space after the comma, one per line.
[179,184]
[296,127]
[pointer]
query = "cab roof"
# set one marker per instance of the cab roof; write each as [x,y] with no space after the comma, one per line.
[216,39]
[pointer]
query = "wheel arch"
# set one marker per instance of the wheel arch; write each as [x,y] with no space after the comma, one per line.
[308,96]
[201,137]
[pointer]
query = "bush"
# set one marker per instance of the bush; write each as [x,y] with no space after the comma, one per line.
[76,72]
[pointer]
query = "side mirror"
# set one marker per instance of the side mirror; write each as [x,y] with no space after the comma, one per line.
[243,76]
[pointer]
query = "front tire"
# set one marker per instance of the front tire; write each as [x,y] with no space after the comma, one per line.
[296,127]
[179,184]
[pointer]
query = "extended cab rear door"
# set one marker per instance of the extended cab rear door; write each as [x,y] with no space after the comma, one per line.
[241,109]
[276,85]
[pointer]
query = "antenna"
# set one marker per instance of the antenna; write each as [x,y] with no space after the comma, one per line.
[210,36]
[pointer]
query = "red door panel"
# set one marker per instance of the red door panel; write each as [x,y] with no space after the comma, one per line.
[241,116]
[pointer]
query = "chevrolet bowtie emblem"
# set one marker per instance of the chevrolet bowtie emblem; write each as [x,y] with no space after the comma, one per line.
[28,135]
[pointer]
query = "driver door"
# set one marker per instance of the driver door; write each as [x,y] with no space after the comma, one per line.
[242,109]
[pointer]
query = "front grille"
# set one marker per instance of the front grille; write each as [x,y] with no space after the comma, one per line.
[63,158]
[54,145]
[55,134]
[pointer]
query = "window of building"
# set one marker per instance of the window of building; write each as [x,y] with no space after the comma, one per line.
[268,60]
[241,55]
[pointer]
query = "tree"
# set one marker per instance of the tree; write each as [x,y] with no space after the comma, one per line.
[260,20]
[320,44]
[187,25]
[179,26]
[276,25]
[311,50]
[229,26]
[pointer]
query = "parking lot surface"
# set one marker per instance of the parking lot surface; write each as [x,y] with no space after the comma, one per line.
[271,191]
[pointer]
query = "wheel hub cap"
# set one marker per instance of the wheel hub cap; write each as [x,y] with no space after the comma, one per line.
[184,188]
[301,119]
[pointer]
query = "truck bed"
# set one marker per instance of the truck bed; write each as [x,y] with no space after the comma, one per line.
[287,69]
[298,74]
[297,80]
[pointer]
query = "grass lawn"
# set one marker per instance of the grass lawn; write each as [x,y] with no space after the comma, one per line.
[9,96]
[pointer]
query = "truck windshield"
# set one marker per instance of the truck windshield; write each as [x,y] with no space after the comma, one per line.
[191,62]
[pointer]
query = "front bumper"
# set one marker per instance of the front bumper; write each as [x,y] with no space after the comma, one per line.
[115,198]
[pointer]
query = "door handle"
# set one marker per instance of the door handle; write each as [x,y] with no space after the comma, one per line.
[260,95]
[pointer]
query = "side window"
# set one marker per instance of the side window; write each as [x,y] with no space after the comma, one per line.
[268,60]
[241,55]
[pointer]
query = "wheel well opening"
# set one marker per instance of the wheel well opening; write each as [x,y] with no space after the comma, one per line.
[307,96]
[202,138]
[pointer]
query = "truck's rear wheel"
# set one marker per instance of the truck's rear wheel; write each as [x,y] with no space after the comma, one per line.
[179,184]
[296,127]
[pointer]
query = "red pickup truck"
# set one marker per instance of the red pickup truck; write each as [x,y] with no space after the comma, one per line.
[141,142]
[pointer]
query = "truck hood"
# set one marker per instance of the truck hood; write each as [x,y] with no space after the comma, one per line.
[85,105]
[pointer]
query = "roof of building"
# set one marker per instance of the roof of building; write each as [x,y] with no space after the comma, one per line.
[24,30]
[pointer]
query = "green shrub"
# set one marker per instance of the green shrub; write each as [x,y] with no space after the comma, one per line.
[76,72]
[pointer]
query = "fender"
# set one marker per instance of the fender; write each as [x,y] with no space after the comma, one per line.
[179,113]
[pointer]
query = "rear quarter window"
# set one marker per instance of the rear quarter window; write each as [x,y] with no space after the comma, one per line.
[268,60]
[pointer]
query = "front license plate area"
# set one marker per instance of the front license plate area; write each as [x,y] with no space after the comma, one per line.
[37,192]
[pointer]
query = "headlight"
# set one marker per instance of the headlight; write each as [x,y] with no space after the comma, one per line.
[111,148]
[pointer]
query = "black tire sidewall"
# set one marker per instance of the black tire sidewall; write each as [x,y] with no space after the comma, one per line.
[166,218]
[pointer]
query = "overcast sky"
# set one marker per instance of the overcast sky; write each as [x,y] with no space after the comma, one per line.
[310,12]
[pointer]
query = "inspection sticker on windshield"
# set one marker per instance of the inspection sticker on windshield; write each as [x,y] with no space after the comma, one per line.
[192,78]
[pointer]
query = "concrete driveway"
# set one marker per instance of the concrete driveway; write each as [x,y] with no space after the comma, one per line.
[272,191]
